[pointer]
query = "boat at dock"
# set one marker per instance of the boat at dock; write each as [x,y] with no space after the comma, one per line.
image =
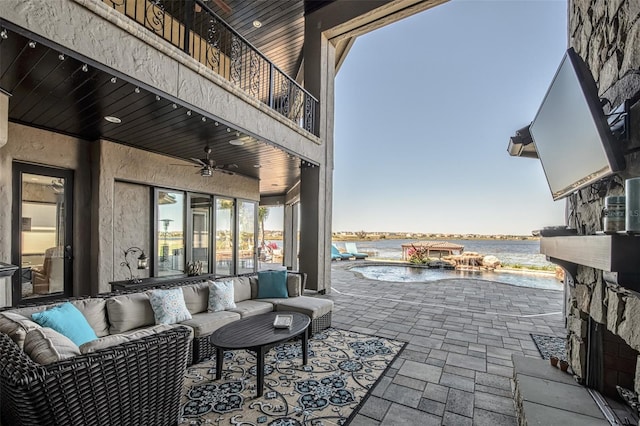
[436,249]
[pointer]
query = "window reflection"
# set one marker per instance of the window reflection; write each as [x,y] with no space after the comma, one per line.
[200,219]
[224,236]
[246,236]
[170,238]
[42,234]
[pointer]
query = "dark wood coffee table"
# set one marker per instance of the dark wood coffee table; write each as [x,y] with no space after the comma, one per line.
[257,334]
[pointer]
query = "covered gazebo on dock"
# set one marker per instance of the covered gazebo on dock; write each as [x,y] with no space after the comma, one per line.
[435,248]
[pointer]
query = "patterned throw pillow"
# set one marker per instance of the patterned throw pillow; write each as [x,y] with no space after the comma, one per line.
[45,346]
[16,326]
[168,306]
[221,296]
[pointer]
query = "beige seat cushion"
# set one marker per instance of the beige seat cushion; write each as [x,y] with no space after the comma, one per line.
[95,311]
[26,312]
[196,297]
[206,323]
[248,308]
[116,339]
[253,282]
[294,285]
[128,312]
[315,307]
[241,289]
[16,326]
[45,346]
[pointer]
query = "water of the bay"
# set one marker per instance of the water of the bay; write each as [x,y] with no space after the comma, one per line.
[510,252]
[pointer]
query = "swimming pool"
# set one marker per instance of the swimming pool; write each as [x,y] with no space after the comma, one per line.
[402,273]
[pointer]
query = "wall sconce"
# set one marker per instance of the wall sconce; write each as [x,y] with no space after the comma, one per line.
[143,262]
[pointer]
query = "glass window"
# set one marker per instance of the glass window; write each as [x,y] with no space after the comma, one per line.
[170,235]
[224,236]
[42,234]
[246,236]
[200,226]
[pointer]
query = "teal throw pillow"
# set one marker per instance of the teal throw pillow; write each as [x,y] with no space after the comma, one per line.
[169,306]
[272,284]
[221,296]
[67,320]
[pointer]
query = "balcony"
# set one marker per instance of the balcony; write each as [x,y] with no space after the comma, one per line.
[194,27]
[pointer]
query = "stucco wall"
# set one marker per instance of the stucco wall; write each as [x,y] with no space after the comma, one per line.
[131,227]
[606,34]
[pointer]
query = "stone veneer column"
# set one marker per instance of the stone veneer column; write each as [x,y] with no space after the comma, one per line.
[607,36]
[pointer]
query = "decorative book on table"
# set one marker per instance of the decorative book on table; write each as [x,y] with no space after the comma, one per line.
[283,321]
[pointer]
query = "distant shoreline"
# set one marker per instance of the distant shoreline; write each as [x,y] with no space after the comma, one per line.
[425,237]
[418,236]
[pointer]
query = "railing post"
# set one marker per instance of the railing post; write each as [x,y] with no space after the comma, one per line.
[188,23]
[271,72]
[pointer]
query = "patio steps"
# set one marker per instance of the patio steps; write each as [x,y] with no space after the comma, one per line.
[544,395]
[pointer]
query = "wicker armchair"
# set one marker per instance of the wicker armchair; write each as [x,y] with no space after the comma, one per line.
[134,383]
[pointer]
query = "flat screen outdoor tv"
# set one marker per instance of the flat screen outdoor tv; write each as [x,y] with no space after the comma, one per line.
[571,133]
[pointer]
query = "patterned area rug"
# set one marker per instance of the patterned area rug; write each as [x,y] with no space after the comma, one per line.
[549,345]
[343,367]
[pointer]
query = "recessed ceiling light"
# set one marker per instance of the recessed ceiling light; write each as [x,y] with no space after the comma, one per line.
[257,24]
[113,119]
[32,44]
[34,179]
[257,166]
[114,80]
[236,142]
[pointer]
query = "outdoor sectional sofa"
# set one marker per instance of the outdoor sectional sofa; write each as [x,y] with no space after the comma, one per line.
[133,373]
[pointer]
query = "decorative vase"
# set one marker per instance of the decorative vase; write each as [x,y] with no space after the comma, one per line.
[564,365]
[554,361]
[194,268]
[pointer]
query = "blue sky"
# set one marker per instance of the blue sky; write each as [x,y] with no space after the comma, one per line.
[424,111]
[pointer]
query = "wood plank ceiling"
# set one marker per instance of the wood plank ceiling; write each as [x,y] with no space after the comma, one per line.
[66,94]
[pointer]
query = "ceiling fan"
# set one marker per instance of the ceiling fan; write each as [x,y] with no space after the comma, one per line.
[208,165]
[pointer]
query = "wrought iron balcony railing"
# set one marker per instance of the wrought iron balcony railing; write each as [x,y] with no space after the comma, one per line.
[213,43]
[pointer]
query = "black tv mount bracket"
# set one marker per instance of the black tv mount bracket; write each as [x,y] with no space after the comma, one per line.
[619,118]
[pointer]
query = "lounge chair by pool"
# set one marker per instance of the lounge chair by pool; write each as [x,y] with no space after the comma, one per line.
[336,255]
[353,249]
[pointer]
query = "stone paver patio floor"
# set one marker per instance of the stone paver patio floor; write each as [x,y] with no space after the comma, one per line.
[456,369]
